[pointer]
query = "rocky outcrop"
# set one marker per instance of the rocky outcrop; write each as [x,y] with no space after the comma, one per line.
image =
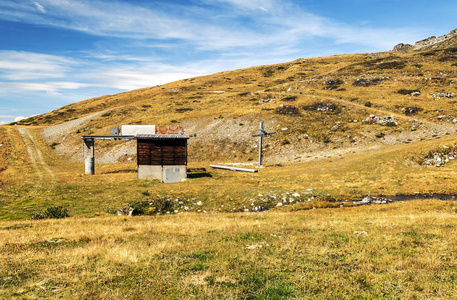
[434,40]
[402,47]
[426,43]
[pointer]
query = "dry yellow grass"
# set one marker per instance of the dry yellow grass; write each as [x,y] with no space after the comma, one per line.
[402,250]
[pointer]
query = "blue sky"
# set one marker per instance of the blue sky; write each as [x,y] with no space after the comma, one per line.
[56,52]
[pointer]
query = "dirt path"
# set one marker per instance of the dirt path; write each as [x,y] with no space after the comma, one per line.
[40,166]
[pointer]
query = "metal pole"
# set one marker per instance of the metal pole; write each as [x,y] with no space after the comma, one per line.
[90,159]
[261,133]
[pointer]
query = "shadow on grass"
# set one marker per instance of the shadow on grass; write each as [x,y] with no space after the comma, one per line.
[198,173]
[119,171]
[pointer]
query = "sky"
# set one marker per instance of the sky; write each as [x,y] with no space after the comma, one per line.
[57,52]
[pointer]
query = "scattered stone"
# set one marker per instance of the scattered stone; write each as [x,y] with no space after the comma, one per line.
[287,109]
[437,96]
[411,110]
[336,126]
[437,157]
[332,84]
[373,200]
[361,232]
[368,81]
[324,107]
[386,121]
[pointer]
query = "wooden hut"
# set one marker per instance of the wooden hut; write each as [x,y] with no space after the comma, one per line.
[162,156]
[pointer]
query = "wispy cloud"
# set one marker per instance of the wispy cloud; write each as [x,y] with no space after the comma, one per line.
[52,88]
[271,22]
[18,65]
[39,7]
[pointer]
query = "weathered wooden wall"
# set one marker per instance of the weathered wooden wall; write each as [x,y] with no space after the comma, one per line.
[162,152]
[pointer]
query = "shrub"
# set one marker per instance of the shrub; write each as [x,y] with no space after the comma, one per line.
[268,72]
[391,65]
[38,216]
[406,92]
[368,104]
[367,81]
[429,53]
[285,141]
[289,98]
[285,109]
[380,135]
[56,212]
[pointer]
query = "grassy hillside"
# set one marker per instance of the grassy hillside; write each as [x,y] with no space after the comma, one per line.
[379,124]
[316,104]
[348,126]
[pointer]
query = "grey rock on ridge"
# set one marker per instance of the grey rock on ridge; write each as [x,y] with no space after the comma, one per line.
[428,42]
[402,47]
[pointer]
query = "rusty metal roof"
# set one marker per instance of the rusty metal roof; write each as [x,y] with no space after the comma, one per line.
[161,136]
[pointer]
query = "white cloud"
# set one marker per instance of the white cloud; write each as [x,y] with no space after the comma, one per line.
[18,118]
[129,80]
[39,7]
[264,5]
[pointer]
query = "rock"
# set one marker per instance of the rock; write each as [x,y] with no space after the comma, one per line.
[402,47]
[199,203]
[390,120]
[360,232]
[437,96]
[433,40]
[373,200]
[411,110]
